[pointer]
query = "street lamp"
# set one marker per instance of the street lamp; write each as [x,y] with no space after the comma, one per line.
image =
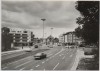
[51,31]
[51,35]
[45,35]
[43,27]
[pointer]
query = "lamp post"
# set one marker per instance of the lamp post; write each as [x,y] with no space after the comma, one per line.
[45,39]
[51,31]
[43,27]
[51,35]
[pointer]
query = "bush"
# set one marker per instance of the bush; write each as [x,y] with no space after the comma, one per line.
[91,51]
[88,51]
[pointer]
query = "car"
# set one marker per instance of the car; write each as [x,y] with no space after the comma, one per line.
[59,44]
[68,46]
[36,46]
[40,56]
[28,49]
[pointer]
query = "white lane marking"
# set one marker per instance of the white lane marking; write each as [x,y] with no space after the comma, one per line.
[43,62]
[4,68]
[71,55]
[55,66]
[59,51]
[63,57]
[37,66]
[55,54]
[22,64]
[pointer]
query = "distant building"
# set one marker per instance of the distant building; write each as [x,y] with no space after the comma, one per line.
[21,37]
[61,38]
[69,38]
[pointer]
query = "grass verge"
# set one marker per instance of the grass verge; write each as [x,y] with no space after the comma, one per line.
[88,64]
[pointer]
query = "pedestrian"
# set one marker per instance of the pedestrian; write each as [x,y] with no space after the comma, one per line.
[22,46]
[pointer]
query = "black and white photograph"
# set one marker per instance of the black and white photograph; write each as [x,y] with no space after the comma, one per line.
[49,35]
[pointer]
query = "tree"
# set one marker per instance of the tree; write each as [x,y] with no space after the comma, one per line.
[79,32]
[89,21]
[6,39]
[56,40]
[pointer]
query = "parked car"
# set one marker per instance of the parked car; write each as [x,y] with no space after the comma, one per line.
[40,56]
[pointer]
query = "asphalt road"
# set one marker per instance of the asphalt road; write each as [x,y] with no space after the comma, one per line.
[58,58]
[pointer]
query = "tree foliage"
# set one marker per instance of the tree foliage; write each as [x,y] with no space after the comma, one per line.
[6,39]
[89,20]
[79,32]
[56,40]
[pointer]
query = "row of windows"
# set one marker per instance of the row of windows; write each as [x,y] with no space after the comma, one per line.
[19,35]
[19,31]
[20,40]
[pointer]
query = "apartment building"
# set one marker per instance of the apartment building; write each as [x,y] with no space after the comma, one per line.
[21,37]
[61,38]
[69,37]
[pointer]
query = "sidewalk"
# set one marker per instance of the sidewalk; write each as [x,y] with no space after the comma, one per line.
[79,55]
[20,49]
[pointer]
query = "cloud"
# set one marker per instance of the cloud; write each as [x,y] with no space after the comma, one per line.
[28,14]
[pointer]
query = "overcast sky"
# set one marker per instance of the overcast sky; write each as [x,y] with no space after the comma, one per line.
[60,15]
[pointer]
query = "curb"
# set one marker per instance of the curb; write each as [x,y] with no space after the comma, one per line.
[77,59]
[9,52]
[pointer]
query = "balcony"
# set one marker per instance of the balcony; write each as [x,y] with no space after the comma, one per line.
[24,35]
[24,40]
[17,40]
[17,35]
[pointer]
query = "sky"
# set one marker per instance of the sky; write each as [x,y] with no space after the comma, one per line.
[59,15]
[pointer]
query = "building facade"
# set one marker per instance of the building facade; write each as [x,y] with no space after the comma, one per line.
[69,38]
[61,38]
[21,37]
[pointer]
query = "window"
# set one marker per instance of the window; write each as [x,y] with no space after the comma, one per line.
[24,40]
[24,35]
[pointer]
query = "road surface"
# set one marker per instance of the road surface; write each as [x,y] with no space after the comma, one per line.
[58,58]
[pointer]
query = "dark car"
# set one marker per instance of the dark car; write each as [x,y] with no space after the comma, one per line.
[36,46]
[40,56]
[59,44]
